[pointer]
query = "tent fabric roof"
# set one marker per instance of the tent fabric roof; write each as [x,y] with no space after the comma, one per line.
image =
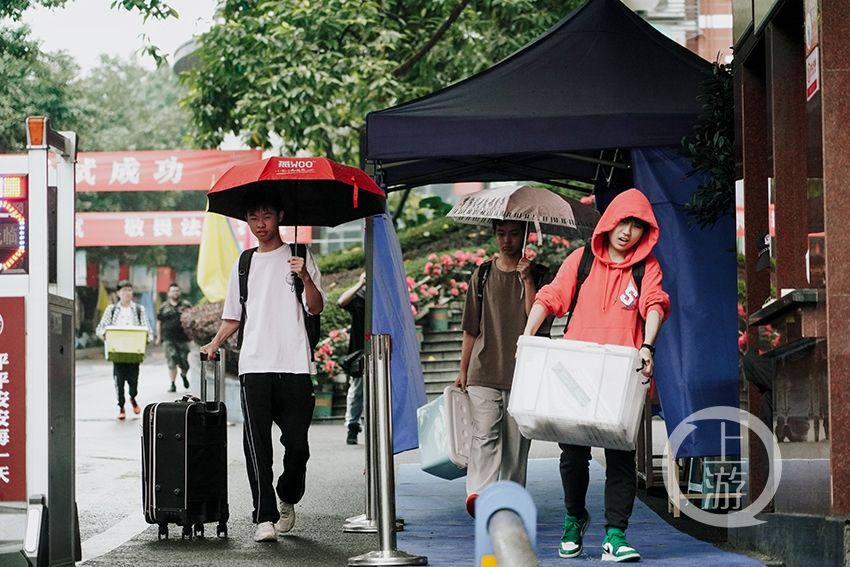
[601,78]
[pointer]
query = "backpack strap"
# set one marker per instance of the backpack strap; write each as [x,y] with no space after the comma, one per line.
[244,267]
[538,274]
[312,323]
[583,271]
[637,273]
[483,274]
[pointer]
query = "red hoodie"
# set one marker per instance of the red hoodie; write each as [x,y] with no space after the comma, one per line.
[608,304]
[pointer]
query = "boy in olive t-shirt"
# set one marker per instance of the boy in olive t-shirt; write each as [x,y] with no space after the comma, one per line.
[490,331]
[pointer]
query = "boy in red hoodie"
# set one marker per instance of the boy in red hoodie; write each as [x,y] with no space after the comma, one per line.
[609,310]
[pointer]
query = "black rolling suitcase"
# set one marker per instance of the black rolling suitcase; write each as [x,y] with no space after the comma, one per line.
[184,462]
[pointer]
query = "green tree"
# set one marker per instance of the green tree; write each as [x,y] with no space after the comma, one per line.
[14,9]
[123,106]
[32,83]
[307,72]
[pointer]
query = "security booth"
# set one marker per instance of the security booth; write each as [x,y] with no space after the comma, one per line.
[37,491]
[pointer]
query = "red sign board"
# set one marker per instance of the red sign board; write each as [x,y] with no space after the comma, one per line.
[13,400]
[159,170]
[151,228]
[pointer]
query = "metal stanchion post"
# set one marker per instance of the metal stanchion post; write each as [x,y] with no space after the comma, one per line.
[365,523]
[388,554]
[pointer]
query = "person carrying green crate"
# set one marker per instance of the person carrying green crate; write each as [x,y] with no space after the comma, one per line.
[128,313]
[612,289]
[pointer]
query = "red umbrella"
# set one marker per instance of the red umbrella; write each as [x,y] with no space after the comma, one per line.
[312,191]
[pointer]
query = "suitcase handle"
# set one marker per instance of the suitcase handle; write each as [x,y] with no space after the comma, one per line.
[216,376]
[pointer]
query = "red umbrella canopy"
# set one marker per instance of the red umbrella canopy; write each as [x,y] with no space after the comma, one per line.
[312,191]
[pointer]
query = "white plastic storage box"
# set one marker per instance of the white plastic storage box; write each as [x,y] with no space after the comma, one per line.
[125,343]
[445,433]
[578,392]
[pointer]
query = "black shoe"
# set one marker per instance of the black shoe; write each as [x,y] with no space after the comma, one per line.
[351,438]
[172,388]
[185,381]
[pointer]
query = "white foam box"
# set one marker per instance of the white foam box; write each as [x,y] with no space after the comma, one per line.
[445,434]
[578,392]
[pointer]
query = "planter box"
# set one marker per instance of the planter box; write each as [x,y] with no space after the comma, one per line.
[125,343]
[577,392]
[445,434]
[324,404]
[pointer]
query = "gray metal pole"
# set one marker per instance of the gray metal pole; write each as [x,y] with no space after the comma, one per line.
[365,523]
[510,540]
[388,554]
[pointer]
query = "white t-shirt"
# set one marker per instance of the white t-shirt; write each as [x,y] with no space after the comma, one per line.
[274,339]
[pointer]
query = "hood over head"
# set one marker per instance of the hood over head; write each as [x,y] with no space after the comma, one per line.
[630,203]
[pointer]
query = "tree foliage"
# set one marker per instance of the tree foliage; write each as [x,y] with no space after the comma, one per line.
[123,106]
[32,83]
[157,9]
[301,75]
[711,150]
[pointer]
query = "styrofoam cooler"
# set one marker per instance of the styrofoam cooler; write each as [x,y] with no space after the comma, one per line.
[125,343]
[578,392]
[445,434]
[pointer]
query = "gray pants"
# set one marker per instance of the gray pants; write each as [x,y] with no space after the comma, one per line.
[498,451]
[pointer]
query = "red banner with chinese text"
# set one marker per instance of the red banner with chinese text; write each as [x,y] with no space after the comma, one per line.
[150,228]
[13,400]
[157,170]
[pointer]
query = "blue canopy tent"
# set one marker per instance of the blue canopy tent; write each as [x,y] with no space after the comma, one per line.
[602,97]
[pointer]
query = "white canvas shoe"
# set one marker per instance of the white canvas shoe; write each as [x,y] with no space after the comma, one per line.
[265,532]
[287,518]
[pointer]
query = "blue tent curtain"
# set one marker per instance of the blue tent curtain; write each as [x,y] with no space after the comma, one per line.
[391,315]
[697,357]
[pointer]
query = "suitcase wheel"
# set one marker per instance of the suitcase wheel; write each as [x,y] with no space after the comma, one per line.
[221,530]
[187,532]
[199,530]
[163,532]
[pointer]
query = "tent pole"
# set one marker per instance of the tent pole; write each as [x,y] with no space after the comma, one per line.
[400,207]
[598,161]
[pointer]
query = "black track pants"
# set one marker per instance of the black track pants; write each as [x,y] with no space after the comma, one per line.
[286,400]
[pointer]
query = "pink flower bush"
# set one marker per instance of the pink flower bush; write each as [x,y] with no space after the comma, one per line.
[444,276]
[328,357]
[549,250]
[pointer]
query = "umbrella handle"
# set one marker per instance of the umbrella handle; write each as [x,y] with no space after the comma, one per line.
[525,241]
[296,237]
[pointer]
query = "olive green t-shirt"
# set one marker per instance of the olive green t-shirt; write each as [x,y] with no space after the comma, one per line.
[496,327]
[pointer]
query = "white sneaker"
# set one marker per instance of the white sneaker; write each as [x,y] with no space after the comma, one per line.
[287,518]
[265,532]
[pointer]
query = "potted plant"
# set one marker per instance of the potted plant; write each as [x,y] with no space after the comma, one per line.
[328,357]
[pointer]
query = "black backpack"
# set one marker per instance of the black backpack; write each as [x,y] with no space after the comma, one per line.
[584,270]
[538,274]
[312,323]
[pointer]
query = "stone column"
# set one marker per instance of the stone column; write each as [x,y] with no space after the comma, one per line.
[835,78]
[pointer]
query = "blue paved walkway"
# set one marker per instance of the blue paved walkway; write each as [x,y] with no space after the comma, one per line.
[437,524]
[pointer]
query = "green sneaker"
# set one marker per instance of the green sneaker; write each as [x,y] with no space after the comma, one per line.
[616,548]
[574,529]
